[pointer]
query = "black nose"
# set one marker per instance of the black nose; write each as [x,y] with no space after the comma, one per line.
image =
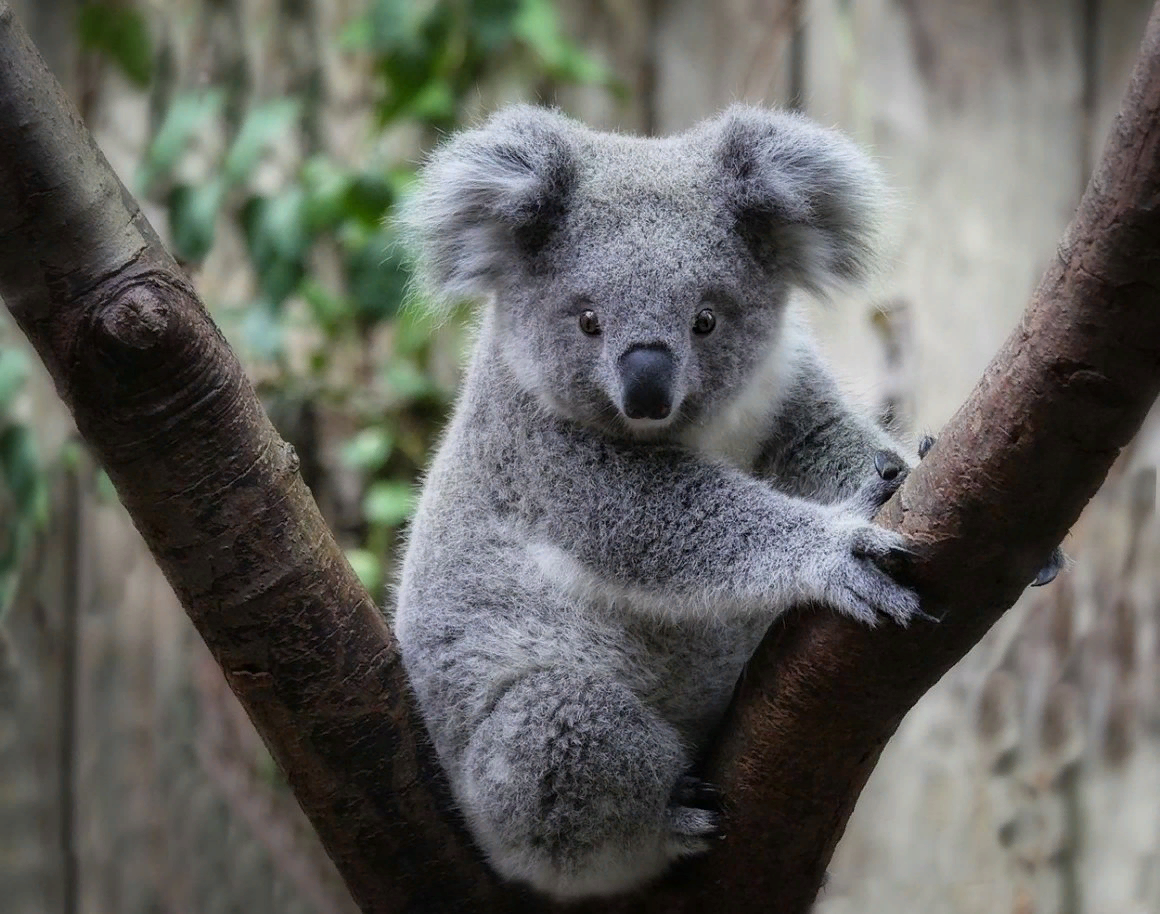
[646,377]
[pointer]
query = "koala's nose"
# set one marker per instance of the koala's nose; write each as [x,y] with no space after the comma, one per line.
[646,378]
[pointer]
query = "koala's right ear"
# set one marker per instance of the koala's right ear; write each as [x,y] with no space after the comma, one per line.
[487,200]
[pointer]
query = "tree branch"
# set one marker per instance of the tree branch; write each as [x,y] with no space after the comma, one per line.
[164,404]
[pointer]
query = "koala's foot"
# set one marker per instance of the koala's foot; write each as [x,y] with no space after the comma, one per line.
[588,797]
[694,817]
[1056,562]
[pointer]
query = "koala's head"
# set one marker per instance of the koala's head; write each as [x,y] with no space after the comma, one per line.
[638,284]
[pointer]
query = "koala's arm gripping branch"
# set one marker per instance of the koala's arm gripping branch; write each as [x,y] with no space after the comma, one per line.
[1011,472]
[739,546]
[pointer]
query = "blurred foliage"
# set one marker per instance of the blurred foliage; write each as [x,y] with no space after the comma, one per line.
[121,35]
[350,377]
[23,490]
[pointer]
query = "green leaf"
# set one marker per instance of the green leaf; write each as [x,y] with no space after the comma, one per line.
[262,332]
[369,196]
[539,28]
[327,188]
[357,35]
[14,367]
[263,125]
[277,240]
[331,312]
[20,467]
[369,449]
[186,115]
[368,567]
[121,34]
[193,213]
[376,274]
[491,21]
[408,382]
[388,503]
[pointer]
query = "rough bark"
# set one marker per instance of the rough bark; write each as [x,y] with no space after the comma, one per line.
[165,406]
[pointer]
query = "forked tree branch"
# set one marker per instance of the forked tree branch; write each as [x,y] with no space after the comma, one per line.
[165,406]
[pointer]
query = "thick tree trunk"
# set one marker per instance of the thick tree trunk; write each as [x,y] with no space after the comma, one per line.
[164,404]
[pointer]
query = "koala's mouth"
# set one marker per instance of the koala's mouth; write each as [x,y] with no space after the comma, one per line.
[646,427]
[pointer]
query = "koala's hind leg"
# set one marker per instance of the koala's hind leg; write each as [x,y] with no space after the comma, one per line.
[574,786]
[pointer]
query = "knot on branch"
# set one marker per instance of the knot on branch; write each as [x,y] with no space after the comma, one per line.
[136,319]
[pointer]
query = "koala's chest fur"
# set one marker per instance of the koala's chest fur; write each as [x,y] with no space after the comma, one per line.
[511,602]
[686,669]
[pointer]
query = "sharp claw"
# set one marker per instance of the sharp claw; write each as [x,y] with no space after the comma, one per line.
[887,465]
[925,445]
[694,792]
[1048,572]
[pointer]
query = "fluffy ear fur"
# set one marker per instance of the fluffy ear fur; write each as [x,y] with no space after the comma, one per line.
[487,200]
[805,199]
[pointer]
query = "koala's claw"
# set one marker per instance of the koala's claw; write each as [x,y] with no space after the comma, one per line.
[889,465]
[925,445]
[876,491]
[861,581]
[694,792]
[1054,565]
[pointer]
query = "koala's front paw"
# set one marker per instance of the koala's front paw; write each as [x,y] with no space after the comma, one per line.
[1056,562]
[694,817]
[859,572]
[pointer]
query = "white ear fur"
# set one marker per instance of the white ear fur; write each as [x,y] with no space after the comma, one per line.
[487,199]
[805,198]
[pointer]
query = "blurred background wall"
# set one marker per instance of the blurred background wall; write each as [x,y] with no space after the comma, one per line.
[269,138]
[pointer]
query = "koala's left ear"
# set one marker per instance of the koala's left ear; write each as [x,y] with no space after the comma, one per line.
[806,199]
[489,199]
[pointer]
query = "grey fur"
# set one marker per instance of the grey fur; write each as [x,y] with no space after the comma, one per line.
[581,591]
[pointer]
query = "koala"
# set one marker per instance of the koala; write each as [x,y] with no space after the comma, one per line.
[649,462]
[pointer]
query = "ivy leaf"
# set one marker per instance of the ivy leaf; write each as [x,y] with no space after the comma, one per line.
[13,372]
[193,213]
[369,197]
[368,450]
[277,240]
[20,467]
[331,312]
[121,34]
[262,331]
[388,503]
[376,274]
[326,187]
[538,27]
[263,125]
[186,115]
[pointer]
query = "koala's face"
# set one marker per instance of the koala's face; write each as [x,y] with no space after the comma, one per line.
[644,308]
[640,284]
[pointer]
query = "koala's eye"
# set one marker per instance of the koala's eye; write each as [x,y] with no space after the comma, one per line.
[704,322]
[589,322]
